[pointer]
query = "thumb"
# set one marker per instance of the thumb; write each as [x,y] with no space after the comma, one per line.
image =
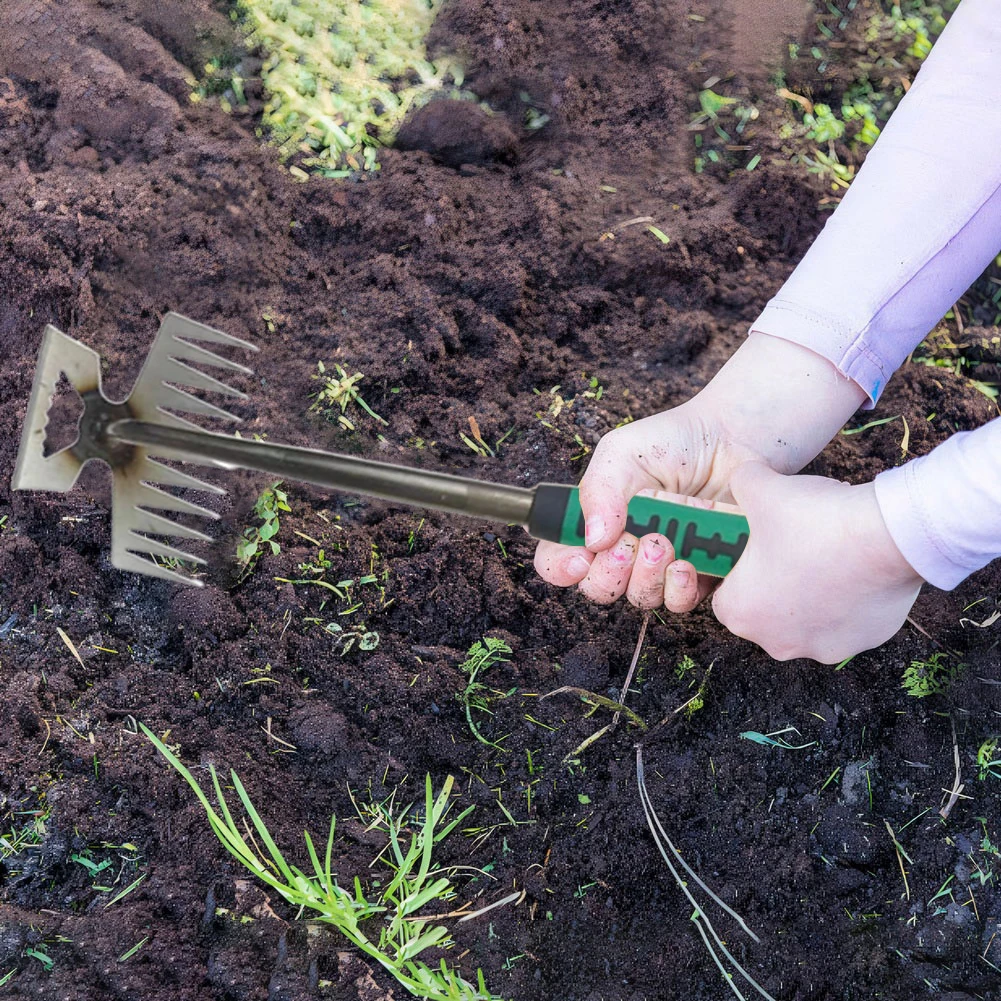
[612,479]
[753,484]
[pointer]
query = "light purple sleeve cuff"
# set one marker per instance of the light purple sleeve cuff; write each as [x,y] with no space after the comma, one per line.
[919,223]
[943,510]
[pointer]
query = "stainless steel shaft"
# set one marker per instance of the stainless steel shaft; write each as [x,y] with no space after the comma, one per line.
[458,494]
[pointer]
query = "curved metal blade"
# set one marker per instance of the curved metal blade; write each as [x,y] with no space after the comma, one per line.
[59,355]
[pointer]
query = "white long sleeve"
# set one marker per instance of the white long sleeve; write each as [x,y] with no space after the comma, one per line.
[943,510]
[916,228]
[920,222]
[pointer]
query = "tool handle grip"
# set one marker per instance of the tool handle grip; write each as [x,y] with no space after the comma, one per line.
[710,540]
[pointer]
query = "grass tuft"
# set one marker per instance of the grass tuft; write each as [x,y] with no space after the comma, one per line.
[340,75]
[385,924]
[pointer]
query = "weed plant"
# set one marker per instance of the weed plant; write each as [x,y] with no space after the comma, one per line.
[989,758]
[482,655]
[270,504]
[337,393]
[385,923]
[929,677]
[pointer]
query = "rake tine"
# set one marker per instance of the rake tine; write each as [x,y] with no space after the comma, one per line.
[153,472]
[142,544]
[192,377]
[132,563]
[192,352]
[175,326]
[190,404]
[155,524]
[150,496]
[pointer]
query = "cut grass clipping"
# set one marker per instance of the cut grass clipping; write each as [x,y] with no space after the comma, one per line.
[340,75]
[391,910]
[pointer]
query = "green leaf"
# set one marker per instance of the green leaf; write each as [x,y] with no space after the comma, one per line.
[871,424]
[712,103]
[768,740]
[246,550]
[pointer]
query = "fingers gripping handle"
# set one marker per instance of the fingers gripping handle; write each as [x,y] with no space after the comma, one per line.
[711,541]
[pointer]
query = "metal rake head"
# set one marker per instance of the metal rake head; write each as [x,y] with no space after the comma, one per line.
[137,477]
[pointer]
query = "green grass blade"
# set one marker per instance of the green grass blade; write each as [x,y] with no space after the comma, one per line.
[327,873]
[452,824]
[178,766]
[427,832]
[262,830]
[315,860]
[221,800]
[126,891]
[429,938]
[227,834]
[415,901]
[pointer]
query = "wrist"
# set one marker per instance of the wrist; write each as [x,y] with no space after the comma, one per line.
[877,542]
[781,400]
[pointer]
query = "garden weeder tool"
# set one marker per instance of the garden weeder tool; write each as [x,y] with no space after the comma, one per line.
[129,434]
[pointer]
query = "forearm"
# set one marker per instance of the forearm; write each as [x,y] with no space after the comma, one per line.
[919,223]
[943,510]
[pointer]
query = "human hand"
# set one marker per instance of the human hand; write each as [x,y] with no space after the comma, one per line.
[773,400]
[678,455]
[820,576]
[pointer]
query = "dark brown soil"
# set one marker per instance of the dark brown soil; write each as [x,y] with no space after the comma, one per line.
[460,282]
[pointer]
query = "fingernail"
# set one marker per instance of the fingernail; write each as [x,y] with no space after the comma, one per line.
[681,577]
[652,553]
[594,530]
[577,566]
[623,551]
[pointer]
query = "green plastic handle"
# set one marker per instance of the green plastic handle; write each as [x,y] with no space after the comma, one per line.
[711,541]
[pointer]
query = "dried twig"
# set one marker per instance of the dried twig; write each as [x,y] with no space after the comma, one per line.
[901,855]
[671,855]
[632,667]
[596,700]
[957,786]
[69,644]
[931,639]
[635,221]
